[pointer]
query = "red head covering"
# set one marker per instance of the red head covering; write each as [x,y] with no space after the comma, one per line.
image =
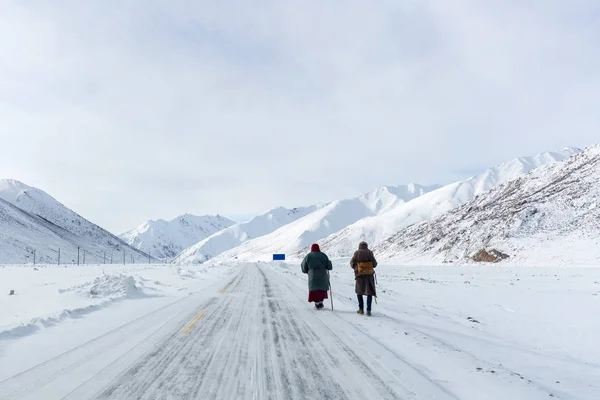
[315,247]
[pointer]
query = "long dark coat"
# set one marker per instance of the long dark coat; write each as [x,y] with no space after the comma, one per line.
[316,264]
[365,284]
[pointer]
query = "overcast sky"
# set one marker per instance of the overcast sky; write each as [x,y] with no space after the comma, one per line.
[131,110]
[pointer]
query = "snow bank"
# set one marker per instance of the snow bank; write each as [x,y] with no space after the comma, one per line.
[48,295]
[113,287]
[37,324]
[102,291]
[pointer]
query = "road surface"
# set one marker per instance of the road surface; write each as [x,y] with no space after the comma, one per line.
[256,338]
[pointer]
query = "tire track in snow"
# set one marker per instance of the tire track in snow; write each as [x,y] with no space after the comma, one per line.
[318,337]
[440,390]
[171,368]
[286,333]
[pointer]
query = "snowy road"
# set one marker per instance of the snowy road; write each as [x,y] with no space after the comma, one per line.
[254,336]
[253,343]
[258,339]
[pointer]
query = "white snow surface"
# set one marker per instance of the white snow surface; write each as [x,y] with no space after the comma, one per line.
[31,220]
[166,239]
[238,330]
[237,234]
[375,229]
[47,295]
[325,221]
[550,216]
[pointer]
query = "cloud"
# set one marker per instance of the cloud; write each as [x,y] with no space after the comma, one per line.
[135,110]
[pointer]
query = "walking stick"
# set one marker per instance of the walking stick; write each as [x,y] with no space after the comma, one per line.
[375,275]
[330,290]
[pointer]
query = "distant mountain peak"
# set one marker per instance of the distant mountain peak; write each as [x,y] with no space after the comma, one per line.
[165,239]
[240,233]
[323,221]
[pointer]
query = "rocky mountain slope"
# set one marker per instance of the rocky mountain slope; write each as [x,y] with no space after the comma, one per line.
[376,229]
[31,220]
[550,216]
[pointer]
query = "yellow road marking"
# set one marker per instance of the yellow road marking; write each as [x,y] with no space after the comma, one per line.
[192,324]
[229,284]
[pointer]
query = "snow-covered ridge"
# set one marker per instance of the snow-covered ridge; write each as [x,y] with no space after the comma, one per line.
[237,234]
[325,221]
[38,202]
[550,216]
[32,220]
[376,229]
[165,239]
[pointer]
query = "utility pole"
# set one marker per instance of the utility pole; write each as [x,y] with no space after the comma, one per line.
[59,256]
[123,257]
[77,255]
[149,262]
[33,257]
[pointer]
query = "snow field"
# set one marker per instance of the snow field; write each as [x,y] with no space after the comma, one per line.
[445,333]
[46,295]
[484,332]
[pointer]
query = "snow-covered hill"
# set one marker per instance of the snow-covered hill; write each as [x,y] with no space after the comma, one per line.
[166,239]
[549,217]
[237,234]
[325,221]
[33,220]
[376,229]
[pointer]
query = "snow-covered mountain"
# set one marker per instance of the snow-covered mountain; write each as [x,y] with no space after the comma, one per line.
[550,216]
[33,220]
[237,234]
[166,239]
[325,221]
[376,229]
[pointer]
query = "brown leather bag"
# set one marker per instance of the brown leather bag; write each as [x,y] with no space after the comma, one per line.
[365,268]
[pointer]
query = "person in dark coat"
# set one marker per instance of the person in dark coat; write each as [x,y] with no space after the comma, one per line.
[316,264]
[364,263]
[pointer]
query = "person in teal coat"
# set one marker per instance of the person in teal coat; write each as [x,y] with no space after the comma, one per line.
[316,264]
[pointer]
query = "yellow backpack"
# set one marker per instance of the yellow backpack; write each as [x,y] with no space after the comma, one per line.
[365,268]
